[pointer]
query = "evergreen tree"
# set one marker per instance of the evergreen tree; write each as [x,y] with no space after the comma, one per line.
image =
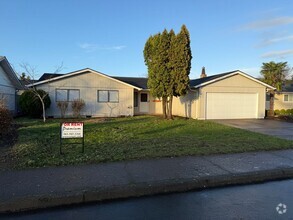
[180,62]
[168,58]
[24,77]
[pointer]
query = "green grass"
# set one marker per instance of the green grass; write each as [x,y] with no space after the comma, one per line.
[134,138]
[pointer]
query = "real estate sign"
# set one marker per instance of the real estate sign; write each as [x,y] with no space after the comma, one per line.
[72,130]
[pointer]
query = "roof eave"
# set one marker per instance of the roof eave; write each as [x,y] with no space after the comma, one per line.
[232,74]
[79,72]
[12,76]
[284,92]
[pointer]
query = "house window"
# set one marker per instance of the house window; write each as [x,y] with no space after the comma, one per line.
[143,97]
[113,96]
[61,95]
[65,95]
[135,99]
[268,98]
[102,96]
[288,98]
[73,95]
[108,96]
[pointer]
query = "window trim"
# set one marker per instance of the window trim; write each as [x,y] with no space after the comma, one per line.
[98,96]
[108,97]
[67,95]
[288,97]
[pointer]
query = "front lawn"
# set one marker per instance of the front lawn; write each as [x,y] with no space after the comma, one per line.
[134,138]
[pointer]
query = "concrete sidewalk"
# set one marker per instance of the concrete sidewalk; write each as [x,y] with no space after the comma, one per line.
[48,187]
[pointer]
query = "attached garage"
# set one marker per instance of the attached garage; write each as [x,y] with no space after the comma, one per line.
[232,95]
[231,105]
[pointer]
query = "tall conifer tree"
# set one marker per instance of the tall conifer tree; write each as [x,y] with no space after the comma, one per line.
[168,58]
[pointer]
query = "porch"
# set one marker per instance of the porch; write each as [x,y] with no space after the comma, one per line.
[145,104]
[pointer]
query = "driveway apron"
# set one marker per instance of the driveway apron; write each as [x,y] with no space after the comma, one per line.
[279,129]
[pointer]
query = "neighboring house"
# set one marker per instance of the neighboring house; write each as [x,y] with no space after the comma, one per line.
[284,98]
[9,85]
[224,96]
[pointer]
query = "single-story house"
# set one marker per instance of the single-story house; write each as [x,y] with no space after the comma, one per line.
[9,85]
[284,98]
[229,95]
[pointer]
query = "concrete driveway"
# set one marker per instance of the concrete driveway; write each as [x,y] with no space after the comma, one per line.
[265,126]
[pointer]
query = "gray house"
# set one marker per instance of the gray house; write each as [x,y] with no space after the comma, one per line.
[9,85]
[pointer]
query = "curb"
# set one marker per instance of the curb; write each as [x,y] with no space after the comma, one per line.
[142,189]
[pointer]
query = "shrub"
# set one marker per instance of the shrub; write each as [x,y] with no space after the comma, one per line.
[31,105]
[63,106]
[288,111]
[77,105]
[291,111]
[283,112]
[6,120]
[277,112]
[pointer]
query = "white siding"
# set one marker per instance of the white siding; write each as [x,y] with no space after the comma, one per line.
[184,106]
[279,102]
[88,85]
[234,84]
[7,90]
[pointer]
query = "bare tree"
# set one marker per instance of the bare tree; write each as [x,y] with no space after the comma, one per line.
[77,105]
[31,71]
[63,106]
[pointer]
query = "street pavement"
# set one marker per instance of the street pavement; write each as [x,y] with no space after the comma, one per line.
[270,200]
[55,186]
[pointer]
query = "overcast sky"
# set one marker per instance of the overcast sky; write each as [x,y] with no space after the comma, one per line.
[109,36]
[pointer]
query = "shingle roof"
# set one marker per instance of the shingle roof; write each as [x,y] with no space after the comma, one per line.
[196,82]
[139,82]
[46,76]
[288,86]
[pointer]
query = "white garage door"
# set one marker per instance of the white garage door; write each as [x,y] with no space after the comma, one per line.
[231,105]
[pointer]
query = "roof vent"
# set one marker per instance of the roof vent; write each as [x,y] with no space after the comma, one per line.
[203,73]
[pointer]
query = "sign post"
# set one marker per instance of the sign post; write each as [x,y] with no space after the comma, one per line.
[71,130]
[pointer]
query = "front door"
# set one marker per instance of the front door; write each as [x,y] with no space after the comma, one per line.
[144,103]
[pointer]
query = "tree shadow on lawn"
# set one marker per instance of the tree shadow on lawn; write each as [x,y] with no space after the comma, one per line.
[161,130]
[42,131]
[6,143]
[123,121]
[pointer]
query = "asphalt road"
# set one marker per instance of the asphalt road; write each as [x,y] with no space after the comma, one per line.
[257,201]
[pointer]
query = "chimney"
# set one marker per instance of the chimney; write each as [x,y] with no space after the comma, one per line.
[203,73]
